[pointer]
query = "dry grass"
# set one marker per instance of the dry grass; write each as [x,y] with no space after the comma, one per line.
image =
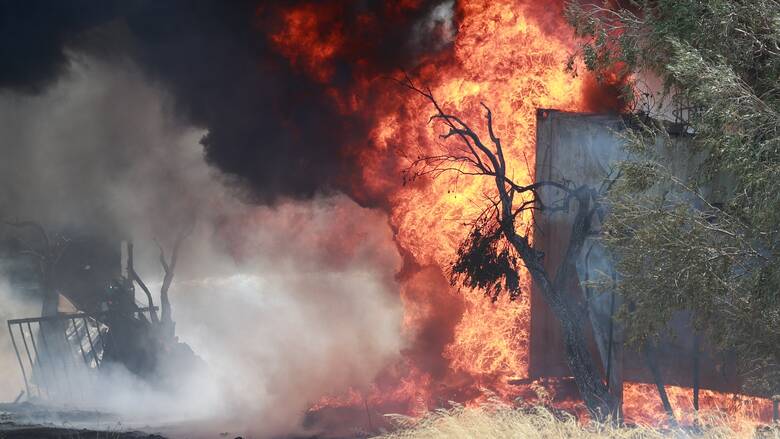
[501,421]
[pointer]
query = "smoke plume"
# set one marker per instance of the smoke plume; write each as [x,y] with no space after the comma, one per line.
[271,124]
[284,303]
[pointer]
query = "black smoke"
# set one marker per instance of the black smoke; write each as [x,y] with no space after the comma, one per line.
[33,36]
[271,127]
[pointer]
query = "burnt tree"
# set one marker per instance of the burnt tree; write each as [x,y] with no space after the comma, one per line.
[169,266]
[134,277]
[490,257]
[164,324]
[45,256]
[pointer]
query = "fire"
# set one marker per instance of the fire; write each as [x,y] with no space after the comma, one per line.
[509,54]
[502,56]
[305,44]
[642,405]
[505,55]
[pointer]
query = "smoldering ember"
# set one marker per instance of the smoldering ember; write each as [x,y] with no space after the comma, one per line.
[392,219]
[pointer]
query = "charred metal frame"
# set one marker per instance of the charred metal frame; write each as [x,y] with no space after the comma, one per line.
[77,329]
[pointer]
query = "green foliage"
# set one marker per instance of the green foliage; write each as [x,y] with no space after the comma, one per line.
[484,262]
[708,243]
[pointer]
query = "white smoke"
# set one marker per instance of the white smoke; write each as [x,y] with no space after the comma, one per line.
[285,304]
[437,29]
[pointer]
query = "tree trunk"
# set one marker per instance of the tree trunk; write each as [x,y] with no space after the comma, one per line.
[50,307]
[578,357]
[571,315]
[580,361]
[51,299]
[659,382]
[601,404]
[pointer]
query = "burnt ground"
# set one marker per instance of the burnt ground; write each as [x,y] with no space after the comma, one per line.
[28,420]
[33,421]
[13,431]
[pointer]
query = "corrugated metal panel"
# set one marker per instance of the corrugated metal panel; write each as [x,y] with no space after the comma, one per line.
[582,149]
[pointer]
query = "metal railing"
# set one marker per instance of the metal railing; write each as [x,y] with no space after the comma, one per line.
[51,360]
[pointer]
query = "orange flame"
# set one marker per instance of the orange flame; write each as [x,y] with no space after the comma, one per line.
[503,57]
[306,44]
[509,54]
[642,405]
[504,54]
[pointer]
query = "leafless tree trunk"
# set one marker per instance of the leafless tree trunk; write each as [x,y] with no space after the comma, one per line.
[165,321]
[136,278]
[169,267]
